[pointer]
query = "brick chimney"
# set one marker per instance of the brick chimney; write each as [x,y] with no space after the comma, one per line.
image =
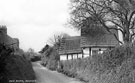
[3,29]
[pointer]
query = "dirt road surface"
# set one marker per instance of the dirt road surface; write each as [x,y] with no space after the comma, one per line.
[46,76]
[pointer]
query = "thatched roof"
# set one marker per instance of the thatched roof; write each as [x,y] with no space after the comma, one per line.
[99,38]
[70,45]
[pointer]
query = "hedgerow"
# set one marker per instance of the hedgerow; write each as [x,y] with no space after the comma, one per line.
[113,66]
[14,67]
[50,58]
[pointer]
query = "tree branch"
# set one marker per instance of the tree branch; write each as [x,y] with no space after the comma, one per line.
[117,29]
[132,35]
[132,25]
[107,28]
[116,24]
[130,18]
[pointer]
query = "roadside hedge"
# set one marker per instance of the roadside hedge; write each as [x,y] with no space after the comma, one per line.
[14,67]
[50,58]
[113,66]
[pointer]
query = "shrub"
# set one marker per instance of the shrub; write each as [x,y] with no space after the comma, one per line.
[50,59]
[113,66]
[14,67]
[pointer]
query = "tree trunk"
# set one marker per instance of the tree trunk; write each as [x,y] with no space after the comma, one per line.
[126,37]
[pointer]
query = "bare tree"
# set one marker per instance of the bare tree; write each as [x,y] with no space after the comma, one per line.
[120,13]
[56,39]
[30,50]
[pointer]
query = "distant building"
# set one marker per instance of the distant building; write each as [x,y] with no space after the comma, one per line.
[86,45]
[7,40]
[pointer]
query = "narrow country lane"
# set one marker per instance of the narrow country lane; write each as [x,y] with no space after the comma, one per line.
[46,76]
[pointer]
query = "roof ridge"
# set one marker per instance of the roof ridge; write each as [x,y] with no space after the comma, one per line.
[73,37]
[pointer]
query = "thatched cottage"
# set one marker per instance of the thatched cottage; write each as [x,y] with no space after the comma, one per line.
[87,44]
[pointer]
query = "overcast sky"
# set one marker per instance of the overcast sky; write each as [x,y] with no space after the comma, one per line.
[34,21]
